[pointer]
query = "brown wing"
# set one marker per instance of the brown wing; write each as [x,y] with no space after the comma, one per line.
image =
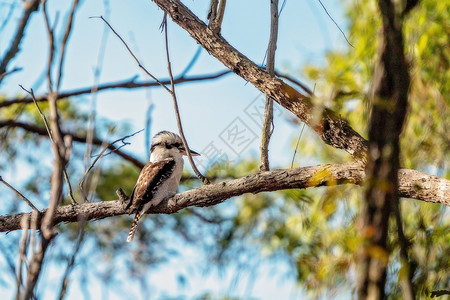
[151,177]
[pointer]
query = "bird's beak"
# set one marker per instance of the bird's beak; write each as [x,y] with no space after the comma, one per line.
[193,153]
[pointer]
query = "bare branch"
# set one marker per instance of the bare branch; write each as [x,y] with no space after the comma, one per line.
[215,15]
[406,279]
[212,10]
[19,194]
[412,184]
[76,138]
[296,146]
[51,42]
[71,261]
[331,18]
[64,42]
[9,73]
[125,84]
[330,127]
[296,82]
[53,141]
[177,111]
[171,91]
[267,127]
[105,147]
[14,48]
[8,16]
[134,56]
[92,116]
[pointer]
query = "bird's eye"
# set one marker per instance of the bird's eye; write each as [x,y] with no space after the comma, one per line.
[168,146]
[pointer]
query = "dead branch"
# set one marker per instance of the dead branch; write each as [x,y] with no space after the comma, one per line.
[332,129]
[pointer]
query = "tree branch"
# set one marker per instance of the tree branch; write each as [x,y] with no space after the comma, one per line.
[14,49]
[30,204]
[267,127]
[331,128]
[64,43]
[124,84]
[76,138]
[414,184]
[177,110]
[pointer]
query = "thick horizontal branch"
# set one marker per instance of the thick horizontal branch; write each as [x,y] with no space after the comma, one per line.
[331,128]
[412,184]
[82,139]
[125,84]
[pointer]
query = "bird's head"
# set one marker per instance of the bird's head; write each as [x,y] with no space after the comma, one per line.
[166,144]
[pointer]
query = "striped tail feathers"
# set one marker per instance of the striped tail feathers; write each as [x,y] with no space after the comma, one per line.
[134,226]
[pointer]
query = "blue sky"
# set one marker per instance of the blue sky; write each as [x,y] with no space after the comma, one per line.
[207,109]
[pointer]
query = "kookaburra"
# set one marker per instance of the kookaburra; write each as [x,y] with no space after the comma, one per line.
[159,179]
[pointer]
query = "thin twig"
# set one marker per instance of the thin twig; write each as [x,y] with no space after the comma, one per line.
[94,91]
[14,48]
[326,11]
[50,135]
[22,257]
[19,194]
[405,280]
[3,75]
[192,62]
[51,40]
[295,81]
[177,112]
[296,146]
[203,218]
[76,138]
[105,147]
[71,262]
[124,84]
[31,93]
[109,146]
[8,16]
[171,91]
[132,54]
[270,67]
[64,42]
[282,7]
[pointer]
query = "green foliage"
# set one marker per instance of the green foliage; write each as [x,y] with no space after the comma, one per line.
[344,84]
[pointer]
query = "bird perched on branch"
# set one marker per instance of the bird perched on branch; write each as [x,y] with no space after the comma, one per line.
[159,179]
